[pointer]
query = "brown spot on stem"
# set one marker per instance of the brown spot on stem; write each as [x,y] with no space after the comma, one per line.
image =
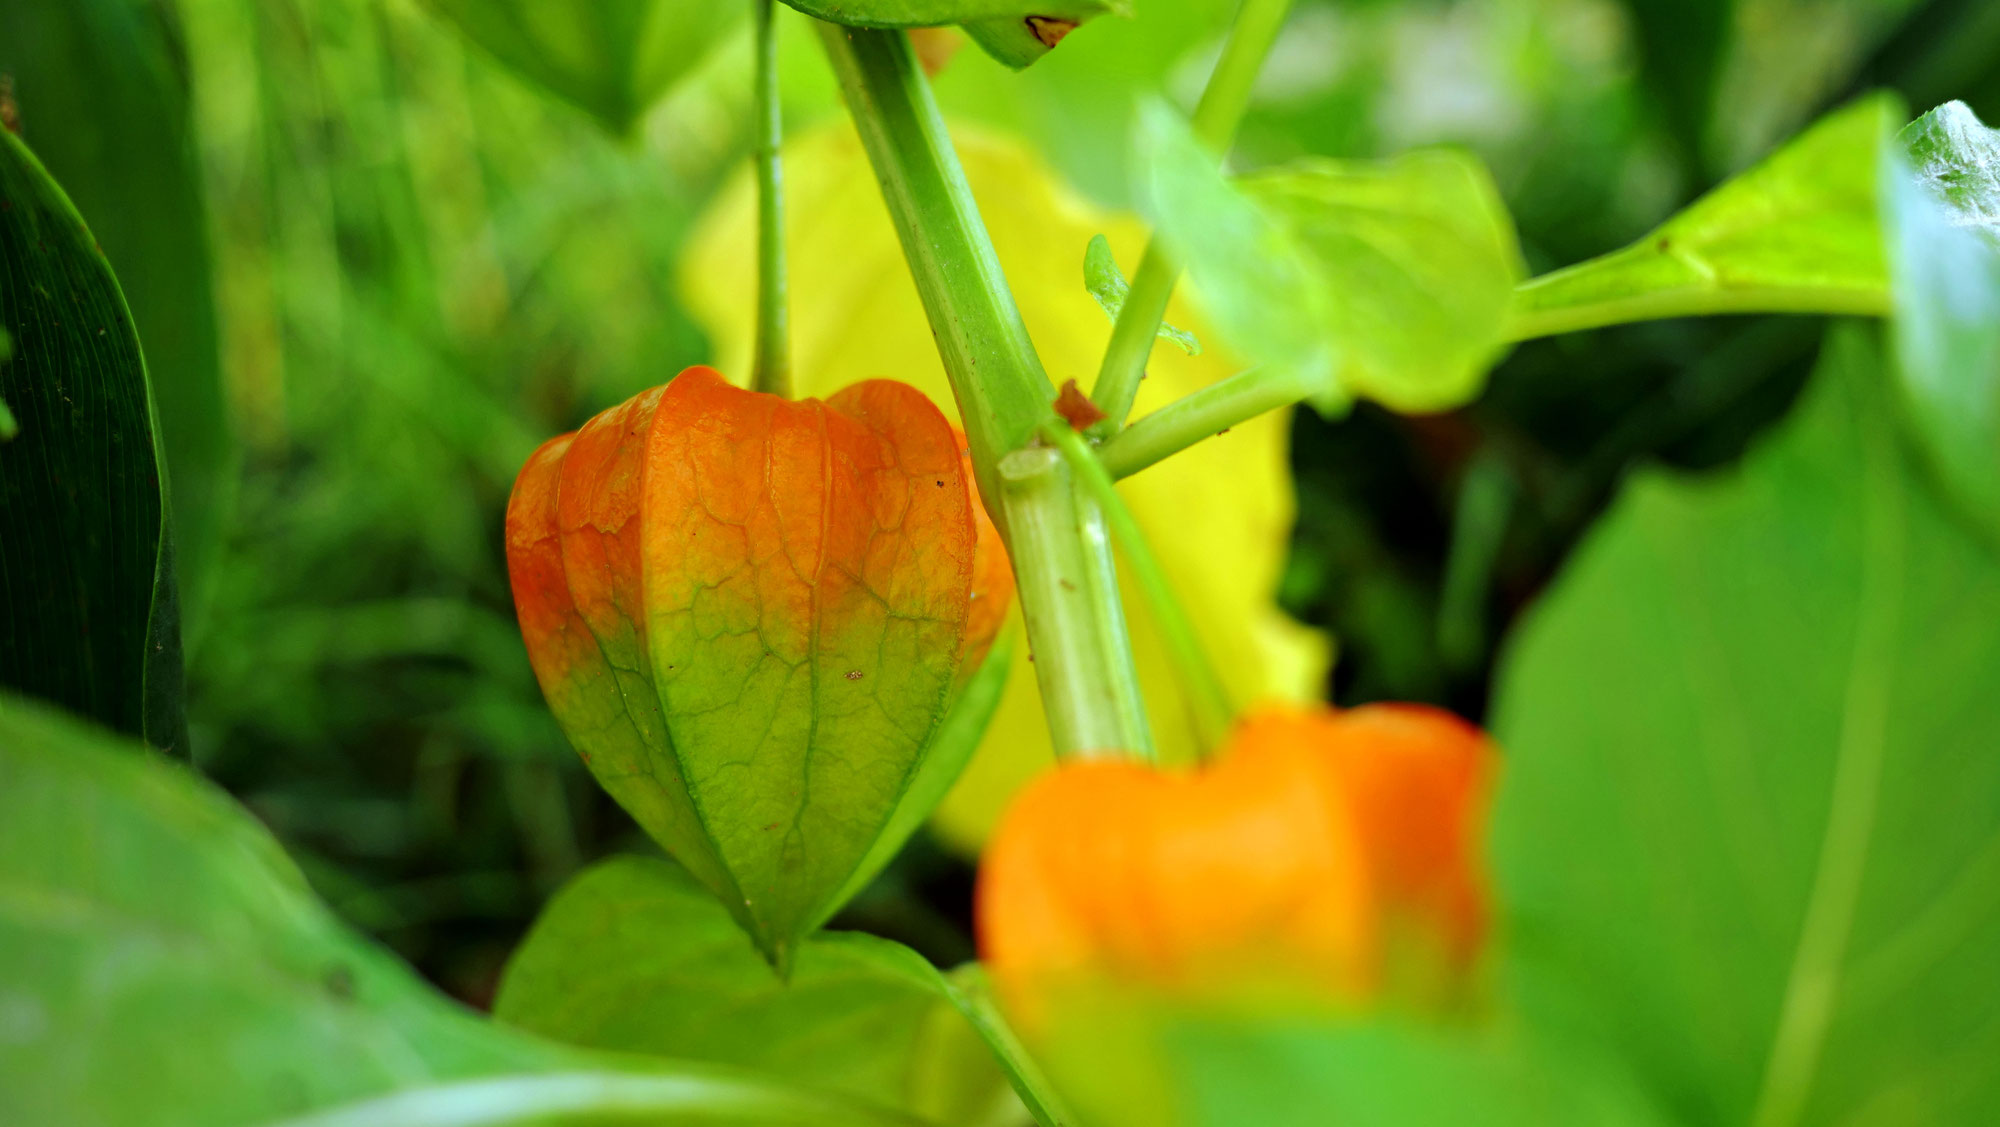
[1076,407]
[1050,30]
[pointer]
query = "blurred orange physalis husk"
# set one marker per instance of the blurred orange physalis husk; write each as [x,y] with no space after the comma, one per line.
[1285,871]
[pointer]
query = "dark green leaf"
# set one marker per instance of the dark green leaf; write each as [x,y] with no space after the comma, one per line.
[1943,216]
[1750,832]
[635,955]
[8,427]
[86,562]
[1389,281]
[104,104]
[610,58]
[1798,233]
[165,964]
[1106,282]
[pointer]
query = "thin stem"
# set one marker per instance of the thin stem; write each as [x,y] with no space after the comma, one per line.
[1197,417]
[1213,712]
[1060,550]
[772,371]
[1068,583]
[1215,120]
[1532,320]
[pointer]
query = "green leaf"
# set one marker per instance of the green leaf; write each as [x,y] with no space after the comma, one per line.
[1943,217]
[1385,1075]
[1016,33]
[8,426]
[636,956]
[1797,233]
[1750,833]
[610,58]
[156,933]
[1106,282]
[86,561]
[103,96]
[1389,281]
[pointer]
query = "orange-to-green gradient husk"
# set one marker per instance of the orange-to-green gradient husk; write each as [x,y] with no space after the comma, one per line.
[749,614]
[1286,871]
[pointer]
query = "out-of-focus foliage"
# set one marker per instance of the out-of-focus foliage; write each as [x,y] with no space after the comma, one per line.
[636,956]
[1388,281]
[611,58]
[144,906]
[1758,705]
[1947,328]
[1802,229]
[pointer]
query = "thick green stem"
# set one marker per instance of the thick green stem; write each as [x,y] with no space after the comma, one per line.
[1197,417]
[772,371]
[1061,553]
[1068,584]
[1215,119]
[1208,699]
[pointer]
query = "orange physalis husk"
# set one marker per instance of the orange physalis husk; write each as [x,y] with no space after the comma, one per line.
[1287,869]
[749,615]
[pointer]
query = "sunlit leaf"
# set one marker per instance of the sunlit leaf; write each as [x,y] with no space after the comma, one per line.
[103,93]
[1943,220]
[1799,231]
[635,956]
[157,934]
[1218,515]
[1748,828]
[1106,282]
[1385,281]
[86,559]
[610,58]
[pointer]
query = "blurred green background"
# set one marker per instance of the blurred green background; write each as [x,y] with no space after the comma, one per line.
[372,268]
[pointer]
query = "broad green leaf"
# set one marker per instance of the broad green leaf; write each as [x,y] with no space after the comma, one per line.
[166,965]
[636,956]
[1943,218]
[86,562]
[610,58]
[1389,281]
[1106,282]
[103,96]
[1750,831]
[1218,515]
[1385,1074]
[1797,233]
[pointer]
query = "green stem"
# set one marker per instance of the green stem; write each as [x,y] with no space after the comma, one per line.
[1215,120]
[1060,551]
[1209,700]
[772,371]
[1531,320]
[1196,417]
[1077,638]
